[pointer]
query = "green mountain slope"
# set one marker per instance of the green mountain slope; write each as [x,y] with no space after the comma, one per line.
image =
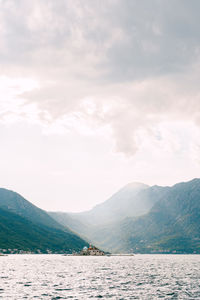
[17,232]
[15,203]
[27,227]
[173,224]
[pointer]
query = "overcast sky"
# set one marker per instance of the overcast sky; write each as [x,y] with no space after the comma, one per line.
[95,94]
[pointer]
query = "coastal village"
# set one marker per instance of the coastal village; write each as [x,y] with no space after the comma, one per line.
[91,250]
[20,251]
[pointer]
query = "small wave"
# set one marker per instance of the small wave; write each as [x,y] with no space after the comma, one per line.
[63,289]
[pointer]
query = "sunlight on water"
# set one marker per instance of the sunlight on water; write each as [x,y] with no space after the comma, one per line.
[136,277]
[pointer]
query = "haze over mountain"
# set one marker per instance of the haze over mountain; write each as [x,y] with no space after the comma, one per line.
[122,204]
[117,207]
[169,220]
[127,202]
[26,227]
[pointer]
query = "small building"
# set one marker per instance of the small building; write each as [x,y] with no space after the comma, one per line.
[92,250]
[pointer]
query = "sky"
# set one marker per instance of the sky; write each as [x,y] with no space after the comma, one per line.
[95,94]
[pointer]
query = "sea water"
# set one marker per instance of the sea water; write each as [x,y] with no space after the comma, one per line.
[76,277]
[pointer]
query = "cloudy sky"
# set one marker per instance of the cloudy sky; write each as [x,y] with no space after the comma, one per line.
[95,94]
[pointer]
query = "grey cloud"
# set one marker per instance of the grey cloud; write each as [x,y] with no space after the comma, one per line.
[161,38]
[130,39]
[137,57]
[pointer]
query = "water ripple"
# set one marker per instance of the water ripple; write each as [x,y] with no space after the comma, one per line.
[64,277]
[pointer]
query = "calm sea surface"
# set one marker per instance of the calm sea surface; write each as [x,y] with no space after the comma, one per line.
[65,277]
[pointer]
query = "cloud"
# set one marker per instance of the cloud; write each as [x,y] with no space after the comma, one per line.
[123,65]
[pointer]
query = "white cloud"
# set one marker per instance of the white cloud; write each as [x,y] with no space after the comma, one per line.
[123,70]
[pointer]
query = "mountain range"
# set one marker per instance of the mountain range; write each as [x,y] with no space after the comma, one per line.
[23,226]
[138,218]
[143,219]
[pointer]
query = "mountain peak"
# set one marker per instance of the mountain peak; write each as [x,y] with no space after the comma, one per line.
[135,185]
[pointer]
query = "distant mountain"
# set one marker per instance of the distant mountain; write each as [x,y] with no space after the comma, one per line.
[65,219]
[122,204]
[127,202]
[26,227]
[173,224]
[169,220]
